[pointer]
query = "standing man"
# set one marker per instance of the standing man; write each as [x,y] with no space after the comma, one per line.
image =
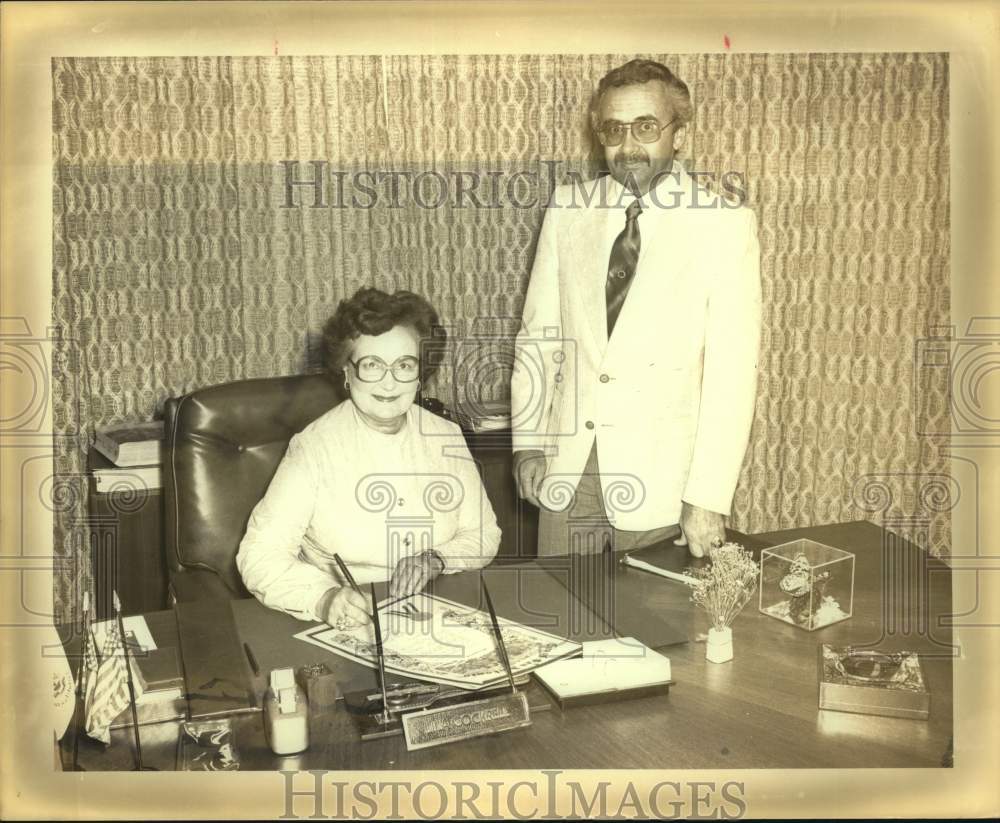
[634,385]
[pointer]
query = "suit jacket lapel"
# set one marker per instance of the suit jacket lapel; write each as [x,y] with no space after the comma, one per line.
[591,253]
[667,251]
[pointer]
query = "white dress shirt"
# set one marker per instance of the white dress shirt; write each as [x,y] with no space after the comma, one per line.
[370,497]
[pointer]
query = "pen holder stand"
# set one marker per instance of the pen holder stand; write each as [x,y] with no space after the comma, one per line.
[719,648]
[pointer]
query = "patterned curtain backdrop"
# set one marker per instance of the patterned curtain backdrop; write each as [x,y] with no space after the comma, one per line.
[193,244]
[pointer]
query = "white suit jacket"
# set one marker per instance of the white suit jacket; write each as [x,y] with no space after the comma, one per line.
[670,398]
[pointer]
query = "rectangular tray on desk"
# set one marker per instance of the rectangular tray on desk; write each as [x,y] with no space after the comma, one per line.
[906,699]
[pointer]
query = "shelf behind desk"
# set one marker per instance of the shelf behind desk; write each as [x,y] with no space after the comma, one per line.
[126,534]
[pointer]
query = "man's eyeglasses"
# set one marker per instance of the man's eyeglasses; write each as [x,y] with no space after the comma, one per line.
[372,369]
[647,130]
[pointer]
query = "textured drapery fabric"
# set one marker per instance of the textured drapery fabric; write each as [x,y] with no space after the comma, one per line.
[191,244]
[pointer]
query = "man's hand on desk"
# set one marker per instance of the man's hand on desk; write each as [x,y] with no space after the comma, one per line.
[414,572]
[529,470]
[699,528]
[343,607]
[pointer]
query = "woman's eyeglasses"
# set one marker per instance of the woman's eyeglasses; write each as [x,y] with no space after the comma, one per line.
[372,369]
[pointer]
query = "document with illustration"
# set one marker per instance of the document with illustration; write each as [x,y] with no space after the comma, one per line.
[429,638]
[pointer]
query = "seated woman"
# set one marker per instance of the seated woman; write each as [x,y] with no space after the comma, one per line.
[378,480]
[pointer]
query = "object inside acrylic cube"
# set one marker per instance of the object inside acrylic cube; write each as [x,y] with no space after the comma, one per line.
[807,584]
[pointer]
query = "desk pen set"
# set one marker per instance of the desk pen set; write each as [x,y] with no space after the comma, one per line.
[429,714]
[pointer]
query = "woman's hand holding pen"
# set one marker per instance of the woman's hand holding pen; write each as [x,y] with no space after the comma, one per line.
[343,607]
[346,607]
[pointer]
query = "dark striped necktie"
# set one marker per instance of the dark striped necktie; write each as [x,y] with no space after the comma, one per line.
[621,268]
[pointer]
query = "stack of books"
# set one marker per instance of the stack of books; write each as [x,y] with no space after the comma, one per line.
[128,456]
[163,696]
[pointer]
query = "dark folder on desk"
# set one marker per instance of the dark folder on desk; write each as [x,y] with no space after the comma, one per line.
[215,668]
[591,579]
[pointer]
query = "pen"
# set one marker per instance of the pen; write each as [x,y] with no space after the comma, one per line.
[346,572]
[381,656]
[131,685]
[252,659]
[501,646]
[649,567]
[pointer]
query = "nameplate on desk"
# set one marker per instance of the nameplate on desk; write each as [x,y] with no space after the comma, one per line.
[463,721]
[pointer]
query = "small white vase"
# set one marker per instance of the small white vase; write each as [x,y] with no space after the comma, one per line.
[719,648]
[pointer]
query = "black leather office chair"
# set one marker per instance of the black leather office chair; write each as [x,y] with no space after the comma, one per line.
[223,445]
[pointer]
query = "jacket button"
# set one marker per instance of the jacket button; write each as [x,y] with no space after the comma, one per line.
[604,378]
[589,424]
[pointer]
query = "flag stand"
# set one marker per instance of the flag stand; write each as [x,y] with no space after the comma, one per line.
[78,709]
[139,767]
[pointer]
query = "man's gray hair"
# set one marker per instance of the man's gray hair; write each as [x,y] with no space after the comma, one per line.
[636,72]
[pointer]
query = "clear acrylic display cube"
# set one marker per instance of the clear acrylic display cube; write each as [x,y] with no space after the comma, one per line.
[807,584]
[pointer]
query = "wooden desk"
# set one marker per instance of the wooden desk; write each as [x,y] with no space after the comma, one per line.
[758,711]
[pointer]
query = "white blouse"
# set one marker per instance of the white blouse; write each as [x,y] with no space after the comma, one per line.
[370,497]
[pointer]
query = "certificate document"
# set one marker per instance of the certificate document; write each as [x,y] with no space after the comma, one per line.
[429,638]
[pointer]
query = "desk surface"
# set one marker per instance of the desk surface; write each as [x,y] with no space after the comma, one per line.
[757,711]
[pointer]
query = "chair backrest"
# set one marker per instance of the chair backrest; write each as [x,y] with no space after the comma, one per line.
[223,445]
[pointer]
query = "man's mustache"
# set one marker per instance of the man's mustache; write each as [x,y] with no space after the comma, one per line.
[632,157]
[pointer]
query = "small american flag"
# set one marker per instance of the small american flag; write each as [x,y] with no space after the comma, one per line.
[106,693]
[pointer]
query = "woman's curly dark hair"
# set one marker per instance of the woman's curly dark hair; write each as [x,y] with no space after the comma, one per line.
[373,312]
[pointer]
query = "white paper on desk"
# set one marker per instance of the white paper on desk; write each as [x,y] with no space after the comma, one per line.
[447,643]
[136,630]
[606,666]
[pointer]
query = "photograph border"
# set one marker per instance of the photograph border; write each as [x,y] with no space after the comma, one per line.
[33,33]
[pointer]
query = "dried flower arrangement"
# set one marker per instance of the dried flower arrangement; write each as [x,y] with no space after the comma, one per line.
[722,590]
